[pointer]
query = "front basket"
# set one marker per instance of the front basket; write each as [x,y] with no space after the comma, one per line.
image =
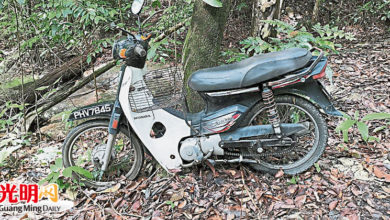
[160,88]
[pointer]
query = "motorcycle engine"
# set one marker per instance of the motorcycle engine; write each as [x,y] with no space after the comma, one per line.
[190,150]
[194,149]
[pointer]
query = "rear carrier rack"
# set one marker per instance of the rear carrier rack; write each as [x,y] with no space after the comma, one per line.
[160,88]
[298,76]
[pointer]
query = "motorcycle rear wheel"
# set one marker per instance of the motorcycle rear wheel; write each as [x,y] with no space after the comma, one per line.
[296,107]
[87,141]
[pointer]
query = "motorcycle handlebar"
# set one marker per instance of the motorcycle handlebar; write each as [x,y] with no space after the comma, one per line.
[140,51]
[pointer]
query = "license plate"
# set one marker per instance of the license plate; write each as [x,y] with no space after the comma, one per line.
[91,111]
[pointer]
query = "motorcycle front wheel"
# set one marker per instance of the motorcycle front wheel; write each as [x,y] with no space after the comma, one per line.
[85,145]
[308,146]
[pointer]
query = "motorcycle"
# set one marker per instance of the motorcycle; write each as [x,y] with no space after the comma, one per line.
[264,112]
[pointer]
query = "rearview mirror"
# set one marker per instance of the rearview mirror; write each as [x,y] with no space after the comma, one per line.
[137,5]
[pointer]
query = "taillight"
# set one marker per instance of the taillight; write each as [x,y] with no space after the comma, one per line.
[322,73]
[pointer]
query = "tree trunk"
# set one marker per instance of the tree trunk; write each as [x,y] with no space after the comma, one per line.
[64,92]
[315,11]
[265,10]
[203,42]
[66,72]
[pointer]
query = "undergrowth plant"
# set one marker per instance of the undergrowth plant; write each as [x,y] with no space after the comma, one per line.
[376,8]
[59,175]
[361,124]
[177,12]
[288,37]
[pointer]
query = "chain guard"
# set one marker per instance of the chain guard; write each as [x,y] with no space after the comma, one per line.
[252,152]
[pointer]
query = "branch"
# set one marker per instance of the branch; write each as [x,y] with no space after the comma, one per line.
[170,31]
[64,92]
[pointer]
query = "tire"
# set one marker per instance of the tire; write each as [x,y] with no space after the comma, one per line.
[320,141]
[134,144]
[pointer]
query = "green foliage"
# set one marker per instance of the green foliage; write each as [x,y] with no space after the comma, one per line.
[214,3]
[57,170]
[174,14]
[6,152]
[9,114]
[361,125]
[289,37]
[241,6]
[294,180]
[317,166]
[10,144]
[61,24]
[376,8]
[376,116]
[171,204]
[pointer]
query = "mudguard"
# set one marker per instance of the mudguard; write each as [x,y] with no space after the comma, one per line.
[103,109]
[314,92]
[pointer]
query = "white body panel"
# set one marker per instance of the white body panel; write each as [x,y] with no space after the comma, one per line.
[165,149]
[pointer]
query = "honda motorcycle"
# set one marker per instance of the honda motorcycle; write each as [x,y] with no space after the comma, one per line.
[264,112]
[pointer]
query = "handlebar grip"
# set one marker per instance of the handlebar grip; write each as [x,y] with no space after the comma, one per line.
[140,51]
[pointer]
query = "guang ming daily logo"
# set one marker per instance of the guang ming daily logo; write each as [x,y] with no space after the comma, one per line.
[20,198]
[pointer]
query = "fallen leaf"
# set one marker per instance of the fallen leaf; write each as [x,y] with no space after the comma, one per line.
[386,189]
[230,216]
[112,189]
[177,196]
[378,173]
[116,203]
[182,204]
[231,172]
[371,210]
[333,204]
[387,177]
[356,191]
[258,193]
[215,217]
[136,205]
[279,174]
[370,202]
[70,194]
[300,200]
[292,188]
[215,173]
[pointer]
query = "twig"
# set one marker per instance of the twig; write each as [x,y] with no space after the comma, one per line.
[95,84]
[148,18]
[170,31]
[47,46]
[18,61]
[132,215]
[94,202]
[247,191]
[158,190]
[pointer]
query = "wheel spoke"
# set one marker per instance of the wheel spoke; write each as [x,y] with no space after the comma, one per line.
[88,148]
[288,113]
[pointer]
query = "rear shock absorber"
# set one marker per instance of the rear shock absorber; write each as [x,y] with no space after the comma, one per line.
[273,116]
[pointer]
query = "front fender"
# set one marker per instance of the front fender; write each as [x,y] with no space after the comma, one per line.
[101,110]
[313,91]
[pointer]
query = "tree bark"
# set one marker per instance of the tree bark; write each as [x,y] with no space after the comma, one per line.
[68,71]
[203,42]
[315,11]
[265,10]
[64,92]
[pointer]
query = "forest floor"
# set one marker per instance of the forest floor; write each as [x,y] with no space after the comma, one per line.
[352,181]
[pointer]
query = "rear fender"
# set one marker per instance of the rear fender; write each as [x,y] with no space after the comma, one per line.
[313,91]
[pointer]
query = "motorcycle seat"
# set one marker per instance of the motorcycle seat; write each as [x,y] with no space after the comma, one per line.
[249,72]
